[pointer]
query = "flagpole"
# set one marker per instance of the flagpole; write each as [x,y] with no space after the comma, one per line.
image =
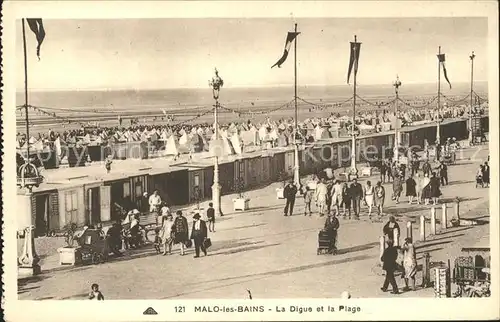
[296,173]
[354,170]
[26,93]
[438,125]
[471,138]
[396,84]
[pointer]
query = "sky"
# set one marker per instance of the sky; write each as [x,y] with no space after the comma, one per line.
[182,53]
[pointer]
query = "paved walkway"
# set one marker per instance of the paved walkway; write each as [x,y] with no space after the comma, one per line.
[272,255]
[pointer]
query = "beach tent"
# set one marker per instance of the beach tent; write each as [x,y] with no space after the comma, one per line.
[250,137]
[263,132]
[237,143]
[183,140]
[322,133]
[274,134]
[282,140]
[220,147]
[197,144]
[172,146]
[164,136]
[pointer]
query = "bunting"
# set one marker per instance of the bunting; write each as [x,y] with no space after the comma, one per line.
[354,58]
[288,43]
[36,25]
[442,59]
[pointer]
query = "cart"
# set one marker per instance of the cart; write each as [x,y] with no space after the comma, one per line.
[449,157]
[325,242]
[472,273]
[93,247]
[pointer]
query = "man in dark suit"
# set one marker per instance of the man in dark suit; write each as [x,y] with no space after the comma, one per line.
[198,235]
[389,259]
[289,193]
[356,192]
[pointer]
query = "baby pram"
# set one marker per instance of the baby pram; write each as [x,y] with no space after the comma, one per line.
[93,247]
[326,240]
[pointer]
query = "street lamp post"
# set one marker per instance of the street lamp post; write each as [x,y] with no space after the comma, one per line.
[396,85]
[471,109]
[216,83]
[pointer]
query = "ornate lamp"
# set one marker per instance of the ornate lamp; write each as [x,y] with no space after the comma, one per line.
[28,177]
[216,83]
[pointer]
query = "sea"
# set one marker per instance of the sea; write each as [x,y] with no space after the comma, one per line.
[104,106]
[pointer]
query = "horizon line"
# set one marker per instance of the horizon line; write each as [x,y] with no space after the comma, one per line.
[105,89]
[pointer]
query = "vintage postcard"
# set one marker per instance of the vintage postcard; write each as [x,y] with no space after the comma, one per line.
[217,161]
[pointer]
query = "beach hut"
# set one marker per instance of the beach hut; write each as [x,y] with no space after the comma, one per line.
[116,193]
[289,162]
[94,199]
[226,176]
[77,156]
[45,208]
[240,173]
[277,164]
[71,204]
[172,184]
[253,170]
[265,176]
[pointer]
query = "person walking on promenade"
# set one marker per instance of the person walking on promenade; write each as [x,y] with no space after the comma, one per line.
[165,212]
[389,229]
[308,197]
[336,196]
[379,193]
[418,187]
[479,176]
[426,168]
[368,196]
[409,263]
[166,234]
[383,170]
[426,189]
[389,259]
[486,174]
[347,200]
[434,188]
[356,195]
[389,172]
[411,191]
[95,294]
[443,173]
[180,231]
[321,193]
[397,187]
[290,193]
[154,204]
[332,224]
[211,217]
[199,235]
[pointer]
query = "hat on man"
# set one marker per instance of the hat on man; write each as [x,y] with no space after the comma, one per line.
[178,212]
[196,216]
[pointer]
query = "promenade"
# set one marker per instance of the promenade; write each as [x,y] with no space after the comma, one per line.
[272,255]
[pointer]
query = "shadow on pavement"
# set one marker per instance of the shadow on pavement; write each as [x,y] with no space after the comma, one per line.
[255,209]
[357,248]
[453,183]
[419,247]
[243,227]
[244,249]
[263,275]
[23,285]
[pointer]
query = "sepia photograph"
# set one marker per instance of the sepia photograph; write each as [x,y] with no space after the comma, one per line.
[253,158]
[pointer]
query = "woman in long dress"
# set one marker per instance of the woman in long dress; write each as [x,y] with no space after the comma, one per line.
[166,234]
[434,188]
[426,189]
[321,192]
[409,263]
[411,191]
[180,230]
[368,192]
[397,187]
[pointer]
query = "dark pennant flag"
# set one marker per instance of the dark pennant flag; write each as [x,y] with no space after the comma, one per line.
[442,59]
[354,58]
[36,25]
[288,43]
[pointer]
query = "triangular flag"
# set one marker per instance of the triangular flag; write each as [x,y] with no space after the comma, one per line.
[354,58]
[36,25]
[442,59]
[288,43]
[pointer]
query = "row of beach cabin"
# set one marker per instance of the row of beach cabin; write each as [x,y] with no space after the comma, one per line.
[91,199]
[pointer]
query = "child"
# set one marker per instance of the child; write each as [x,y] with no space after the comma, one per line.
[95,294]
[157,241]
[107,165]
[211,217]
[308,197]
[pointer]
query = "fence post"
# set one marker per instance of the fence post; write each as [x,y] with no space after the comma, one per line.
[457,209]
[426,270]
[444,217]
[409,230]
[433,221]
[422,228]
[382,246]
